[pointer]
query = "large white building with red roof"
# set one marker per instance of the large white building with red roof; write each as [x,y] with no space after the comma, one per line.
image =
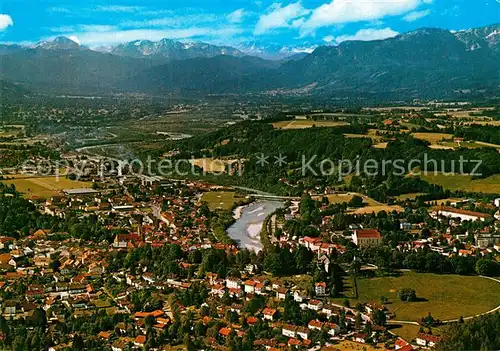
[366,237]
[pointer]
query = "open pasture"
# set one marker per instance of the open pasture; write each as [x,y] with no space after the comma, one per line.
[446,297]
[490,185]
[303,124]
[220,200]
[44,187]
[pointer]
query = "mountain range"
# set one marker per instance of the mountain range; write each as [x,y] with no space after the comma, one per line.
[425,63]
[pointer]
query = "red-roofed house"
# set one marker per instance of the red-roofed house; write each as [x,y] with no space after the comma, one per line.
[315,325]
[427,340]
[366,237]
[225,332]
[320,288]
[269,313]
[140,341]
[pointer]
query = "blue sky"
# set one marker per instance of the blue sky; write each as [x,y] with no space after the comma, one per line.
[97,22]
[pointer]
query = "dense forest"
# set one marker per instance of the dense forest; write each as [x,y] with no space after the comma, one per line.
[479,334]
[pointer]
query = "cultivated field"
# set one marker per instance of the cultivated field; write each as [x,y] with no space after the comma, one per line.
[432,138]
[376,209]
[380,146]
[484,123]
[445,296]
[346,197]
[490,185]
[302,124]
[45,187]
[220,200]
[213,165]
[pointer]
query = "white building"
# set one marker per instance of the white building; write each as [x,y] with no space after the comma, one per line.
[463,215]
[233,283]
[366,237]
[289,330]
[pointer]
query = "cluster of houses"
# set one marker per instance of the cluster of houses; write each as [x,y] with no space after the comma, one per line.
[71,267]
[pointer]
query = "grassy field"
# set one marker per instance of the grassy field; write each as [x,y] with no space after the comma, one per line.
[432,138]
[484,123]
[302,124]
[380,146]
[411,196]
[372,136]
[408,331]
[340,198]
[220,200]
[445,296]
[490,185]
[466,144]
[371,205]
[444,201]
[377,209]
[300,281]
[213,165]
[482,144]
[45,187]
[441,147]
[7,134]
[347,345]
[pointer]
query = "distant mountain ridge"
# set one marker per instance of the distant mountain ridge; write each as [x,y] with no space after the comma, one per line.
[273,51]
[173,50]
[427,62]
[478,38]
[59,43]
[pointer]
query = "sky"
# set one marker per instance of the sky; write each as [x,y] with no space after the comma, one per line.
[97,23]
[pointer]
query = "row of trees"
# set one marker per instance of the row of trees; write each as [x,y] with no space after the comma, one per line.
[425,260]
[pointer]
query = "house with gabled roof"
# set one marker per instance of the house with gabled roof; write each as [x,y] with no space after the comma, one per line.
[269,313]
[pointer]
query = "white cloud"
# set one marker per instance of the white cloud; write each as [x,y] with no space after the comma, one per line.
[118,8]
[416,15]
[75,39]
[94,39]
[172,21]
[281,17]
[5,21]
[61,29]
[328,38]
[56,9]
[83,28]
[345,11]
[236,16]
[97,28]
[367,35]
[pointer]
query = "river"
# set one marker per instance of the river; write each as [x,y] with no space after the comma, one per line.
[246,230]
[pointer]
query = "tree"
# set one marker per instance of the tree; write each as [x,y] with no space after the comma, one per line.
[379,317]
[356,201]
[407,295]
[358,321]
[188,343]
[78,343]
[486,267]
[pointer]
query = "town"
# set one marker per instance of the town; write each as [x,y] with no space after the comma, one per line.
[140,262]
